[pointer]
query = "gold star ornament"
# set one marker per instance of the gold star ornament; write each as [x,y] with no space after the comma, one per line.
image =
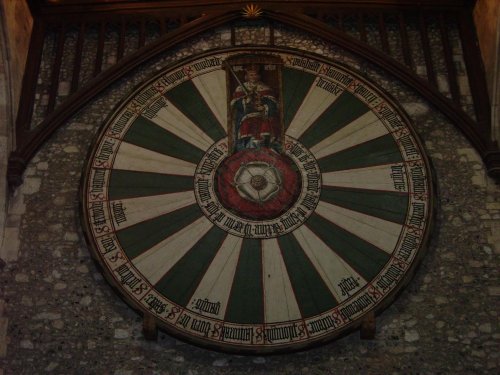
[251,11]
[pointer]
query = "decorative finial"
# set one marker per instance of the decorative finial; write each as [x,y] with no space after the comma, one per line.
[251,11]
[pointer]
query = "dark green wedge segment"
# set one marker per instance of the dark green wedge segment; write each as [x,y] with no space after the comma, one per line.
[345,109]
[382,204]
[382,150]
[365,258]
[311,292]
[246,303]
[129,184]
[296,85]
[180,282]
[142,236]
[187,99]
[146,134]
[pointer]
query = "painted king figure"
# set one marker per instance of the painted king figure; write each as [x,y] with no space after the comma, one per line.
[256,113]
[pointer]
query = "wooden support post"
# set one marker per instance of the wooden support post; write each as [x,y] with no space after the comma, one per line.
[271,33]
[149,327]
[383,33]
[27,99]
[368,327]
[361,26]
[424,36]
[163,26]
[233,36]
[405,43]
[100,48]
[78,58]
[142,33]
[56,69]
[121,39]
[448,58]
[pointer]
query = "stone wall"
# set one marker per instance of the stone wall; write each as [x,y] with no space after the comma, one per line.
[61,317]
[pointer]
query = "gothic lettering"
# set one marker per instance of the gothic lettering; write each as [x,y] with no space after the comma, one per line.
[204,305]
[331,87]
[280,333]
[207,63]
[336,75]
[119,212]
[409,147]
[389,277]
[155,304]
[418,180]
[347,285]
[155,107]
[120,124]
[417,214]
[398,177]
[408,246]
[356,306]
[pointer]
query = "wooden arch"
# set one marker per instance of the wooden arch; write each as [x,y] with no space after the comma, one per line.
[477,132]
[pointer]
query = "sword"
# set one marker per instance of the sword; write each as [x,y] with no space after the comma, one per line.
[237,79]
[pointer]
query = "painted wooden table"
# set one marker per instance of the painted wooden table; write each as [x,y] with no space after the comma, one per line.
[257,201]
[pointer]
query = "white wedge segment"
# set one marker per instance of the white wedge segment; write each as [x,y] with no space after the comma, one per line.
[332,268]
[173,120]
[279,298]
[363,129]
[212,87]
[388,177]
[135,158]
[381,233]
[139,209]
[314,104]
[157,261]
[216,283]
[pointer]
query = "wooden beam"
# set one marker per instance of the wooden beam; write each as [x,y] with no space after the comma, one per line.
[100,48]
[56,69]
[30,78]
[475,71]
[448,58]
[149,327]
[121,39]
[36,137]
[424,37]
[142,33]
[383,33]
[196,6]
[362,27]
[405,44]
[368,326]
[77,63]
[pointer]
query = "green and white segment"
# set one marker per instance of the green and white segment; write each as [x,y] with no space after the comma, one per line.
[283,285]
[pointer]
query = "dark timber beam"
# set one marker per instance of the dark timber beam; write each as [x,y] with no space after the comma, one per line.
[29,141]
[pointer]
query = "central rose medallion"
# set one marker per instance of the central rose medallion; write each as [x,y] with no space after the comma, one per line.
[260,192]
[257,181]
[258,184]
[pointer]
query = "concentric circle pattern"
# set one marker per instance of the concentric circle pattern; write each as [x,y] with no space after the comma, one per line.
[257,201]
